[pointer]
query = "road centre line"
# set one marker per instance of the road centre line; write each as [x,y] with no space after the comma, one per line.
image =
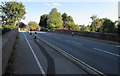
[39,64]
[106,52]
[118,46]
[94,48]
[73,42]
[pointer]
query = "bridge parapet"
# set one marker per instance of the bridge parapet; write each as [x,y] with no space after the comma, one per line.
[97,35]
[8,40]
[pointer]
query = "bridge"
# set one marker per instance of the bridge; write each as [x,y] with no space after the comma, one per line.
[53,53]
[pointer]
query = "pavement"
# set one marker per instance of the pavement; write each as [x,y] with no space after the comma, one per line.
[35,57]
[99,55]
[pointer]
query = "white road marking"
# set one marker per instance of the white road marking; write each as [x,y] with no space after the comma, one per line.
[39,65]
[107,52]
[74,42]
[118,46]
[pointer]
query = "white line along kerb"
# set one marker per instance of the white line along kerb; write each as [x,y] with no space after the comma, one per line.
[39,65]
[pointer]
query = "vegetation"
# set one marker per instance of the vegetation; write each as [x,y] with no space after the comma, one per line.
[33,25]
[54,20]
[118,30]
[12,13]
[68,23]
[43,22]
[104,25]
[21,25]
[54,17]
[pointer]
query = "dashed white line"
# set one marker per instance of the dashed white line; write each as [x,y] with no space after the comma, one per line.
[106,52]
[39,65]
[74,42]
[118,46]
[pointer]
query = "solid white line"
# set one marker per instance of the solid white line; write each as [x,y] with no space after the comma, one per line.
[39,65]
[107,52]
[74,42]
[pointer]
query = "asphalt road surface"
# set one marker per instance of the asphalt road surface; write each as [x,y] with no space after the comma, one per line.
[101,56]
[35,57]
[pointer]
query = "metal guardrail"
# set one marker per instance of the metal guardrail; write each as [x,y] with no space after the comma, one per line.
[87,68]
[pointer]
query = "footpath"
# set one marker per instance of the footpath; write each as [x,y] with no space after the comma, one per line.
[37,58]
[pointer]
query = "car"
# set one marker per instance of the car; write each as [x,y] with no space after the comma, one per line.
[37,29]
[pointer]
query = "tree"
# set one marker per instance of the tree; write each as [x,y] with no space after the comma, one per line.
[69,18]
[93,24]
[64,18]
[96,24]
[54,17]
[43,21]
[21,25]
[68,23]
[94,17]
[84,28]
[33,25]
[12,12]
[88,28]
[72,26]
[118,28]
[108,26]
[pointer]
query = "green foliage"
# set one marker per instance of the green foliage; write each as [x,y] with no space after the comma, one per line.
[21,25]
[54,17]
[83,28]
[94,17]
[118,31]
[72,26]
[102,25]
[51,26]
[68,23]
[67,20]
[33,25]
[95,24]
[43,20]
[54,20]
[88,28]
[108,26]
[49,21]
[12,12]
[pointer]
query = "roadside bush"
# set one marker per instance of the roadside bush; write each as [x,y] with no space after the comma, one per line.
[5,30]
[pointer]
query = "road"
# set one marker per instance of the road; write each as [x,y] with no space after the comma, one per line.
[101,56]
[37,58]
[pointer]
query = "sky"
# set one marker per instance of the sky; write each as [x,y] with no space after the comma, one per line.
[81,11]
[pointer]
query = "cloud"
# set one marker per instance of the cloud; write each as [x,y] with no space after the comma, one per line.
[56,4]
[52,4]
[47,4]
